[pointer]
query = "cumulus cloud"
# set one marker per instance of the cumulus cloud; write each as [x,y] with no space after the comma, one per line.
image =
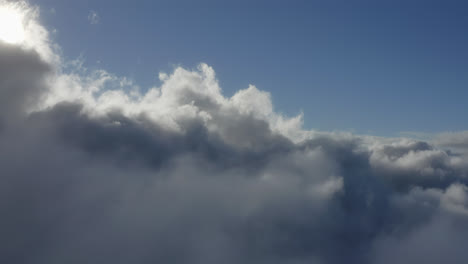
[94,171]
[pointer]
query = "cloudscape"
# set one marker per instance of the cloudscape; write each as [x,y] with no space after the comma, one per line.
[94,169]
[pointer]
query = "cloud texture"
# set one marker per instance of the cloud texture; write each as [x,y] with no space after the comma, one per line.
[94,171]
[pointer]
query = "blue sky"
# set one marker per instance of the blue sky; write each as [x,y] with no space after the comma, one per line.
[379,67]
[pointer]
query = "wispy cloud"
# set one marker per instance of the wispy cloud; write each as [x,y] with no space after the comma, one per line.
[93,17]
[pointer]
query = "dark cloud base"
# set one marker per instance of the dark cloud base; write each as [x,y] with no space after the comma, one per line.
[114,189]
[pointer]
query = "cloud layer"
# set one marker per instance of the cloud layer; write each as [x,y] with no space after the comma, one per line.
[94,171]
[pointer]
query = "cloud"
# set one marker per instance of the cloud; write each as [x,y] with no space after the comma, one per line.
[22,81]
[94,171]
[93,17]
[427,241]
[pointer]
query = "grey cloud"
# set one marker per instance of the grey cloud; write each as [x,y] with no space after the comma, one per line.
[436,239]
[224,187]
[455,141]
[22,76]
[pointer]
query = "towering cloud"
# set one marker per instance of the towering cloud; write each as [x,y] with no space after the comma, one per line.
[94,171]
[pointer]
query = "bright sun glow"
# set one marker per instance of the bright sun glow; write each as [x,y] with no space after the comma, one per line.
[11,25]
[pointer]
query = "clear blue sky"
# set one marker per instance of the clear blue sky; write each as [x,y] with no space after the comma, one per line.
[379,67]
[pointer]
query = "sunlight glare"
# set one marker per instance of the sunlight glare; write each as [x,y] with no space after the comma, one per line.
[11,25]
